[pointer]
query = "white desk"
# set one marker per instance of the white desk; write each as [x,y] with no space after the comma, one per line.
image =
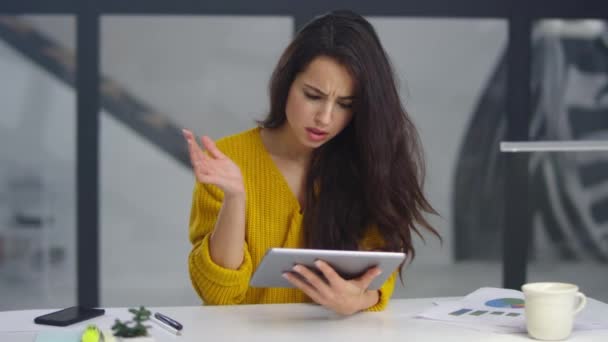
[286,323]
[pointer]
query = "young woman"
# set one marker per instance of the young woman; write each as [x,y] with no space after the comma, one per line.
[336,164]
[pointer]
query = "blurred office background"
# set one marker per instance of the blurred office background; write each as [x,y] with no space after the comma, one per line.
[210,74]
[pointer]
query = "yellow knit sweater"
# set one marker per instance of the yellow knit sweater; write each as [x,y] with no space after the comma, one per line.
[273,219]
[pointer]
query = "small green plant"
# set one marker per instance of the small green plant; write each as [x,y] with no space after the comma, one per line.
[135,327]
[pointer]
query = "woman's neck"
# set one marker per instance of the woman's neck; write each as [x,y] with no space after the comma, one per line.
[282,143]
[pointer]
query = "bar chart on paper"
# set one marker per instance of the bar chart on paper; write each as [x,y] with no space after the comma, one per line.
[492,309]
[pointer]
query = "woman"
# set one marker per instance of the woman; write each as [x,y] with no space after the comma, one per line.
[336,164]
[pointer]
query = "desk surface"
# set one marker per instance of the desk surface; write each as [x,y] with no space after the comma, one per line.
[287,322]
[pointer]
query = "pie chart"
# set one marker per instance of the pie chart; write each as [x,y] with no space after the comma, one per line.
[511,303]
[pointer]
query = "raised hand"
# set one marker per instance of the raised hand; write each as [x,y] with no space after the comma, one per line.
[342,296]
[214,167]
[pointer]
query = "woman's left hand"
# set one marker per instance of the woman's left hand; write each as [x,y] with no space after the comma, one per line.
[345,297]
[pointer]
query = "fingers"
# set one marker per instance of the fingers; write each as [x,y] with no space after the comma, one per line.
[198,159]
[322,292]
[205,141]
[330,274]
[212,166]
[342,296]
[206,163]
[210,146]
[312,278]
[193,147]
[304,286]
[366,279]
[189,136]
[204,169]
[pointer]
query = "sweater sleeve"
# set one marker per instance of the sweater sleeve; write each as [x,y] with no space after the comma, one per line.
[214,284]
[385,292]
[373,241]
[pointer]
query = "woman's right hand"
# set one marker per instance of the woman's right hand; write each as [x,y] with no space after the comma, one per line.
[214,167]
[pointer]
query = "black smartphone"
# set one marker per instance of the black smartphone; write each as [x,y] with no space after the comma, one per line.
[69,316]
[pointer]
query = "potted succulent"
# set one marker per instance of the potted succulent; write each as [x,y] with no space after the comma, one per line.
[134,330]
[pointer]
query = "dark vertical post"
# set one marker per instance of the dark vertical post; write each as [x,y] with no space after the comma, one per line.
[300,19]
[87,153]
[518,226]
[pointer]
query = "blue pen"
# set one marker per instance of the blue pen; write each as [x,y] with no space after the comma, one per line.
[169,321]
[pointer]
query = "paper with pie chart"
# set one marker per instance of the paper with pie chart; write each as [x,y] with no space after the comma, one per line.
[502,310]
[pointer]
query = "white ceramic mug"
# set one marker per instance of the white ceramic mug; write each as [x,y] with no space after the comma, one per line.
[550,309]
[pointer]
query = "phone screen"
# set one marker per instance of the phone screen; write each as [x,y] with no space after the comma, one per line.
[69,316]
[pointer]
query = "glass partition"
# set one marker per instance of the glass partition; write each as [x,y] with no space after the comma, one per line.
[569,189]
[37,162]
[162,73]
[453,84]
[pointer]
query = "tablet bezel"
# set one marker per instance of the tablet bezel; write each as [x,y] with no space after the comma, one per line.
[349,264]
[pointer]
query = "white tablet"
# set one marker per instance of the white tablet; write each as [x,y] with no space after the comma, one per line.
[349,264]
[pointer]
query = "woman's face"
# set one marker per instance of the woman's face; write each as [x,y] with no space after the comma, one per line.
[319,104]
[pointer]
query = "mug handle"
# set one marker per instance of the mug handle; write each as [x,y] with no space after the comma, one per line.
[582,302]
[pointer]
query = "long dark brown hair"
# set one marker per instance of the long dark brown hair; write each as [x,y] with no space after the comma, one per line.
[371,173]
